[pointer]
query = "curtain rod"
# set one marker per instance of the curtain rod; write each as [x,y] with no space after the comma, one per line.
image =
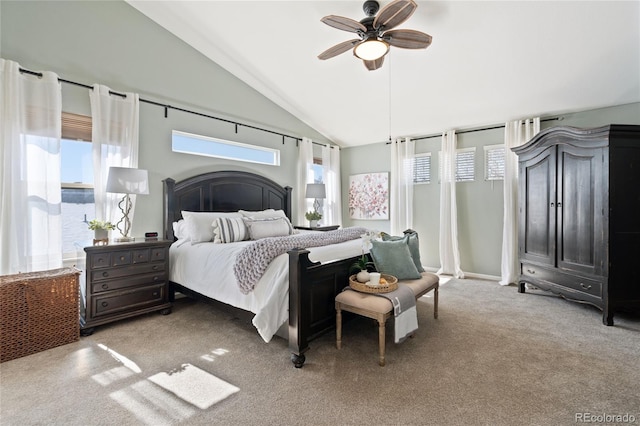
[167,107]
[501,126]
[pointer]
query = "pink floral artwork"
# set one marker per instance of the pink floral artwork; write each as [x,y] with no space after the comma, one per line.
[369,196]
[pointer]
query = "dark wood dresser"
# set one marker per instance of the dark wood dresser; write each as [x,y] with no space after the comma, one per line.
[579,232]
[124,280]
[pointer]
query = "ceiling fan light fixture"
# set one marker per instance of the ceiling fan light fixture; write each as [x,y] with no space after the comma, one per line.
[371,49]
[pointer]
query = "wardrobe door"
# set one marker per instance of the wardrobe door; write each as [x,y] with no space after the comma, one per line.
[537,208]
[580,209]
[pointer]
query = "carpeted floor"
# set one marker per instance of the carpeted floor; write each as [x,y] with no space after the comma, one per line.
[493,357]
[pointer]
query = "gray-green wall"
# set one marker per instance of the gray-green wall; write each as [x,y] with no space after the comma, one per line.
[111,43]
[480,203]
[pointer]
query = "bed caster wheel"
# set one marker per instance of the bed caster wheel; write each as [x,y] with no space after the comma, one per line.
[298,360]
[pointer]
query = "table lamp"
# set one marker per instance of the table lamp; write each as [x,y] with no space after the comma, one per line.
[124,180]
[317,192]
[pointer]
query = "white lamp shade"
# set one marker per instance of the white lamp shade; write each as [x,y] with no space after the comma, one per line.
[124,180]
[315,190]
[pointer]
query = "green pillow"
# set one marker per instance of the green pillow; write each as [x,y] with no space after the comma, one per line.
[394,258]
[414,247]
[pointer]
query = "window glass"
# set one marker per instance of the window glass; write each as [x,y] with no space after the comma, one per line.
[465,164]
[494,162]
[188,143]
[422,168]
[76,175]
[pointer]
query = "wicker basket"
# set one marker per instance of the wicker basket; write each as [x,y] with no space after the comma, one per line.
[38,311]
[392,284]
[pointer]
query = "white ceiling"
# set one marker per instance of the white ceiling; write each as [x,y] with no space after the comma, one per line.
[490,61]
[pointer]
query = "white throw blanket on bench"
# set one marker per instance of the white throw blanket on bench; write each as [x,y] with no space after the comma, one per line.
[404,311]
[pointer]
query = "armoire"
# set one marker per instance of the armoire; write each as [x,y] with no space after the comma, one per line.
[579,215]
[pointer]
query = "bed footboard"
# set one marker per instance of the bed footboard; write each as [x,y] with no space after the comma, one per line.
[313,287]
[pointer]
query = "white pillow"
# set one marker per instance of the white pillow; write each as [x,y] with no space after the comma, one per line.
[200,224]
[267,214]
[263,228]
[229,230]
[180,230]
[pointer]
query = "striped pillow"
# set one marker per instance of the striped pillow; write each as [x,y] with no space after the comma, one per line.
[229,230]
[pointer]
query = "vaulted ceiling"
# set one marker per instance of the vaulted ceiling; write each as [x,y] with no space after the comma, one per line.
[490,61]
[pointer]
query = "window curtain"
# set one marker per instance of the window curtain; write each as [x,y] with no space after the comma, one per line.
[331,177]
[449,252]
[305,161]
[115,144]
[515,133]
[30,204]
[402,153]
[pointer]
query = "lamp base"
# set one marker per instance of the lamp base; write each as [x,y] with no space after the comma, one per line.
[124,239]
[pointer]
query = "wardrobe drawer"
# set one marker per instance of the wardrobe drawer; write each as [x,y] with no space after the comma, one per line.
[590,286]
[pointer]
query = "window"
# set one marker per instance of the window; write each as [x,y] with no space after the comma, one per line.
[465,165]
[422,168]
[494,162]
[76,175]
[188,143]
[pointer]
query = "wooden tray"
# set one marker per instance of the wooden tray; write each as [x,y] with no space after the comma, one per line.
[392,284]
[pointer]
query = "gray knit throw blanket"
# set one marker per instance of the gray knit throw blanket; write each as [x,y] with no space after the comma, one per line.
[254,259]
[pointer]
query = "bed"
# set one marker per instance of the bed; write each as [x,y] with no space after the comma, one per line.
[311,277]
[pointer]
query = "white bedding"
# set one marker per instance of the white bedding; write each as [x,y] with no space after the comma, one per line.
[207,268]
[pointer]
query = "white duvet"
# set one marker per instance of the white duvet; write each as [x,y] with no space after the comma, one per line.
[207,268]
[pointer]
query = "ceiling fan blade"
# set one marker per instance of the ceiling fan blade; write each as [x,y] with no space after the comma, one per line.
[344,24]
[338,49]
[407,39]
[394,14]
[374,65]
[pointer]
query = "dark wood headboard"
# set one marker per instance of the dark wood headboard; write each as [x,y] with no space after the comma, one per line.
[223,191]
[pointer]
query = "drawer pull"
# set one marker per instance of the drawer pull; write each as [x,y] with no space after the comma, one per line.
[156,278]
[586,287]
[105,286]
[155,267]
[121,257]
[155,293]
[531,271]
[105,274]
[105,304]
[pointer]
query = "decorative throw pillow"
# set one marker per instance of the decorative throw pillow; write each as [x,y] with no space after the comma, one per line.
[267,214]
[180,230]
[414,247]
[263,228]
[229,230]
[394,258]
[200,224]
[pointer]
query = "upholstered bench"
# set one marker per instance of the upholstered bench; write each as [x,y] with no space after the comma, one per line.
[380,308]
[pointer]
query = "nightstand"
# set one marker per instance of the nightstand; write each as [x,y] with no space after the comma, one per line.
[124,280]
[319,228]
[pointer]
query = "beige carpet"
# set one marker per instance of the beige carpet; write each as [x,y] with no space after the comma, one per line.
[493,357]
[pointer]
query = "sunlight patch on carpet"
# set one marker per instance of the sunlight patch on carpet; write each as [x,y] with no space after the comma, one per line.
[194,385]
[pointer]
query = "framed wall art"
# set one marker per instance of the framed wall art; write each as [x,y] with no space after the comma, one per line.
[369,196]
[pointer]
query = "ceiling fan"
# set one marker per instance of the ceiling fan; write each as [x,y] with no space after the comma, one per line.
[375,32]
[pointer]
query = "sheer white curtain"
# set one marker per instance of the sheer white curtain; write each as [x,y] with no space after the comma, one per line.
[30,195]
[331,178]
[515,133]
[402,153]
[305,161]
[449,252]
[115,144]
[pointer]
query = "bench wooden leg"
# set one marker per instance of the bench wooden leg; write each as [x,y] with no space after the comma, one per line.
[435,303]
[338,327]
[381,339]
